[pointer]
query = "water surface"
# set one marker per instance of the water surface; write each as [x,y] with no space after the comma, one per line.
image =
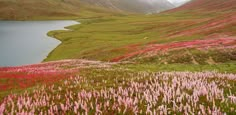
[26,42]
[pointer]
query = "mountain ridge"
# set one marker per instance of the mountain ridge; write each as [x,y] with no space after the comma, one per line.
[207,5]
[71,9]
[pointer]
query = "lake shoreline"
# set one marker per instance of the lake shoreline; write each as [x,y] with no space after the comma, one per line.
[66,28]
[28,42]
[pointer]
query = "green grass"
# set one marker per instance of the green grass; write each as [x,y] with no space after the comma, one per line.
[99,38]
[110,37]
[152,67]
[190,56]
[96,37]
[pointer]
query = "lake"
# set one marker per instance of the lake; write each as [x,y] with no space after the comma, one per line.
[26,42]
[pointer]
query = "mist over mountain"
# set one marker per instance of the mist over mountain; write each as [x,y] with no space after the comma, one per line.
[178,2]
[138,6]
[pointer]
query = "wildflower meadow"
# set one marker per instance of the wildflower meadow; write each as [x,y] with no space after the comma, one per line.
[145,93]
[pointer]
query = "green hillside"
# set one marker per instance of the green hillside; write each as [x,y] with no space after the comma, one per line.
[72,9]
[131,38]
[49,9]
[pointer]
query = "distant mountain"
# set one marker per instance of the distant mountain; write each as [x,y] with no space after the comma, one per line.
[208,5]
[138,6]
[56,9]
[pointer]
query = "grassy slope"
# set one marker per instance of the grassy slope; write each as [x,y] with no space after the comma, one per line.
[49,9]
[106,34]
[110,37]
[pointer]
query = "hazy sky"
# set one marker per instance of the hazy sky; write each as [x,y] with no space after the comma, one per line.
[178,2]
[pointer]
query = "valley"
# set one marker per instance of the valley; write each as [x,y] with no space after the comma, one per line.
[178,61]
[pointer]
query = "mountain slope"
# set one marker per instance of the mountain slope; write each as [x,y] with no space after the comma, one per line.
[138,6]
[197,26]
[208,5]
[56,9]
[130,37]
[48,9]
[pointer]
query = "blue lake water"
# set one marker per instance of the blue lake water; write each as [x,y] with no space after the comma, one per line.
[26,42]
